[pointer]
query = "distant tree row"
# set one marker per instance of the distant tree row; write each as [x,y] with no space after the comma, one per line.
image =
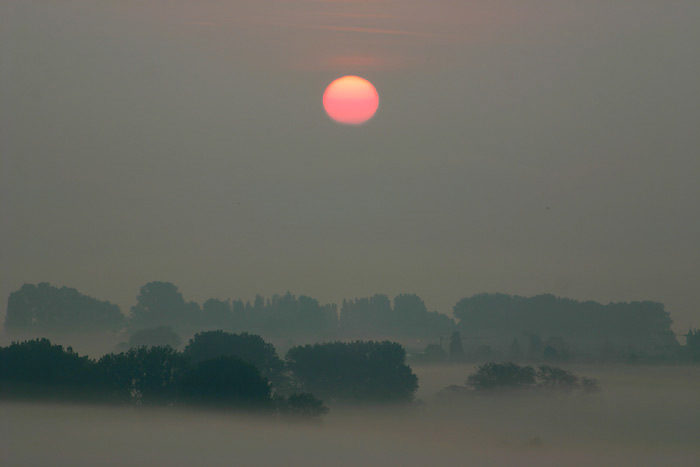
[217,368]
[509,377]
[640,324]
[45,309]
[491,325]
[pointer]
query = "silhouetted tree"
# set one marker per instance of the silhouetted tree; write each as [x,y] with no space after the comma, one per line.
[161,303]
[44,309]
[490,376]
[40,369]
[367,316]
[247,347]
[302,406]
[143,375]
[692,343]
[217,313]
[226,381]
[354,372]
[638,324]
[499,376]
[410,311]
[374,316]
[557,379]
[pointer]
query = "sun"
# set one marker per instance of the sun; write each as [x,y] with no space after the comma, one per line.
[351,100]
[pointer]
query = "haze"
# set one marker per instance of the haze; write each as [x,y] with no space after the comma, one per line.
[642,417]
[520,147]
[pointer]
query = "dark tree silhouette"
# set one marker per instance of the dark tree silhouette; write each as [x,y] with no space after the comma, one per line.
[301,405]
[367,316]
[161,304]
[48,310]
[692,343]
[217,313]
[226,381]
[144,375]
[248,347]
[557,379]
[410,312]
[637,324]
[354,372]
[374,316]
[285,315]
[490,376]
[494,377]
[38,368]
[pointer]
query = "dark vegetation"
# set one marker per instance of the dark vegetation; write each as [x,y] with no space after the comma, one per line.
[216,369]
[509,377]
[616,331]
[543,328]
[354,372]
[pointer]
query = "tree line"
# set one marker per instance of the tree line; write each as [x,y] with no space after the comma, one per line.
[216,368]
[492,326]
[45,309]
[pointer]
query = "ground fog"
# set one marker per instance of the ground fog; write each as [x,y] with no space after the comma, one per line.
[642,416]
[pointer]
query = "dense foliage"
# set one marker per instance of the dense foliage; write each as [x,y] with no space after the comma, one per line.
[644,322]
[38,367]
[354,371]
[216,368]
[43,309]
[226,381]
[492,376]
[543,328]
[143,375]
[248,347]
[140,376]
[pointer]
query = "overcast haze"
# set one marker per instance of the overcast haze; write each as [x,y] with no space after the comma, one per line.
[522,147]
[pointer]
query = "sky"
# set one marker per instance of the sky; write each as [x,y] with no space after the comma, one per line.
[523,147]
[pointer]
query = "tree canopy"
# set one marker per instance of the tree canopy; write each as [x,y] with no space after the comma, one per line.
[162,304]
[354,371]
[247,347]
[44,309]
[641,323]
[226,381]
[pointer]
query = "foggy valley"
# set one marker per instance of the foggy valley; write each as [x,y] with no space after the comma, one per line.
[349,232]
[642,416]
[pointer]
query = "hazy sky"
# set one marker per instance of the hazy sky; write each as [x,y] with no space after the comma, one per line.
[521,146]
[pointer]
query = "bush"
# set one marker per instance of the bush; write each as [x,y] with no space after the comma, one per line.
[301,406]
[143,375]
[247,347]
[354,372]
[499,376]
[508,375]
[40,369]
[226,381]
